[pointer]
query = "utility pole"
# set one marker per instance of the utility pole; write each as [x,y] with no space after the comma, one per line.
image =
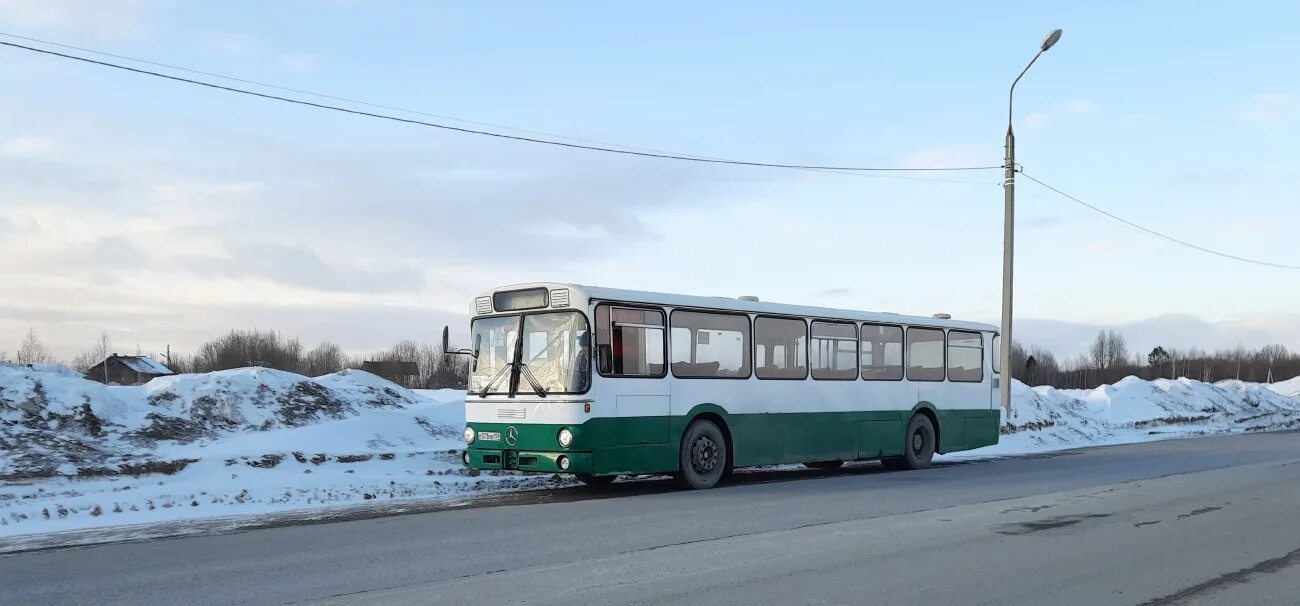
[1009,230]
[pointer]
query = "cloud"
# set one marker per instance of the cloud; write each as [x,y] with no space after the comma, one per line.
[1133,119]
[1072,108]
[298,62]
[67,328]
[1080,106]
[1037,119]
[116,19]
[1270,108]
[834,292]
[952,155]
[230,44]
[302,267]
[1038,222]
[1104,247]
[1242,229]
[251,49]
[27,147]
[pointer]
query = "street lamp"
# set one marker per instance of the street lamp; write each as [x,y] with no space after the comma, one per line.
[1008,229]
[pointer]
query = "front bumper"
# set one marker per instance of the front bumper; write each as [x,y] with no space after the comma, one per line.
[529,460]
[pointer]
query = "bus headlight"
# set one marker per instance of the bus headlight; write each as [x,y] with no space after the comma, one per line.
[469,435]
[566,437]
[563,462]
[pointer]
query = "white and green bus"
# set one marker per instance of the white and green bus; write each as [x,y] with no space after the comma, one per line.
[601,382]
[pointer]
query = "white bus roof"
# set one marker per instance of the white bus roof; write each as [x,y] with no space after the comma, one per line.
[758,307]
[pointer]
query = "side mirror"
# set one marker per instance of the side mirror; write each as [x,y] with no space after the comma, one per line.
[446,345]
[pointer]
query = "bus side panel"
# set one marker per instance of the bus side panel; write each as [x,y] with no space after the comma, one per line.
[758,439]
[646,458]
[882,438]
[820,437]
[982,428]
[643,419]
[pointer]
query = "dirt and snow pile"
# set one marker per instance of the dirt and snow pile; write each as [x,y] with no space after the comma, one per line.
[75,454]
[1289,387]
[51,422]
[1133,410]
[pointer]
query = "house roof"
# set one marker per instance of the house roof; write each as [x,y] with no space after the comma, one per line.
[144,365]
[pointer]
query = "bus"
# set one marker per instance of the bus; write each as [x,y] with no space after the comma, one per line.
[603,382]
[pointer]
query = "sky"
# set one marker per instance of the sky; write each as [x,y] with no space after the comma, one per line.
[166,214]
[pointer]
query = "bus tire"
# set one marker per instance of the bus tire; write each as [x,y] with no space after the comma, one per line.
[594,480]
[824,465]
[702,458]
[919,443]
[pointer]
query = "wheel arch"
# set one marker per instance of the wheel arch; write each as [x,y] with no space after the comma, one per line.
[720,417]
[927,409]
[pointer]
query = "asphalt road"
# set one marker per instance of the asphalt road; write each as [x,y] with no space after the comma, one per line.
[1198,521]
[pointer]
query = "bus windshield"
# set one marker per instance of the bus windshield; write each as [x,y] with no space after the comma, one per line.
[555,351]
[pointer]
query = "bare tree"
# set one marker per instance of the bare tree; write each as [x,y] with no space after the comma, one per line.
[32,351]
[324,359]
[238,349]
[97,352]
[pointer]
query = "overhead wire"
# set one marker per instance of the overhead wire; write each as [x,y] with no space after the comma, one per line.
[1158,234]
[606,149]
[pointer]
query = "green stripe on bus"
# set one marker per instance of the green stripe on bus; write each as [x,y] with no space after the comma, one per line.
[637,445]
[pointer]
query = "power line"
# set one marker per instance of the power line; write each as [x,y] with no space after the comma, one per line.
[1157,234]
[335,97]
[665,156]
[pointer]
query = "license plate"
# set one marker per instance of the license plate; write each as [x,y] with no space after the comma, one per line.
[490,436]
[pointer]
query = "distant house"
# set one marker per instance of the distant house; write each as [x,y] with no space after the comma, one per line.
[393,370]
[127,370]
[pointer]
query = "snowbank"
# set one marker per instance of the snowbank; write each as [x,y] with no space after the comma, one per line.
[1287,388]
[1135,410]
[75,454]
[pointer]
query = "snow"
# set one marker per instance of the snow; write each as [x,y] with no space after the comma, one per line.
[148,366]
[255,442]
[57,368]
[1290,387]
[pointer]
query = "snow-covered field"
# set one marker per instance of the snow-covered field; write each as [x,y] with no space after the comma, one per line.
[253,442]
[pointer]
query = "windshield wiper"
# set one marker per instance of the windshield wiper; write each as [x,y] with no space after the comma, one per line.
[483,393]
[523,372]
[532,381]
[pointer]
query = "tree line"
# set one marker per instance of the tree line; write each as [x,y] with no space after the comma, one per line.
[1109,360]
[270,349]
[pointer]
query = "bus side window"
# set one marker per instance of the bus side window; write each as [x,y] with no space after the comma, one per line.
[882,352]
[834,350]
[630,341]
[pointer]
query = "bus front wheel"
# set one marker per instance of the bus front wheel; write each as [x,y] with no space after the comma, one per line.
[703,455]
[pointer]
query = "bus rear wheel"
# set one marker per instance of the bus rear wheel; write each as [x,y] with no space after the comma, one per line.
[594,480]
[919,445]
[703,455]
[824,464]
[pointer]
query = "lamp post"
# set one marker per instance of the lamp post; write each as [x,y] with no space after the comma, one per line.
[1008,229]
